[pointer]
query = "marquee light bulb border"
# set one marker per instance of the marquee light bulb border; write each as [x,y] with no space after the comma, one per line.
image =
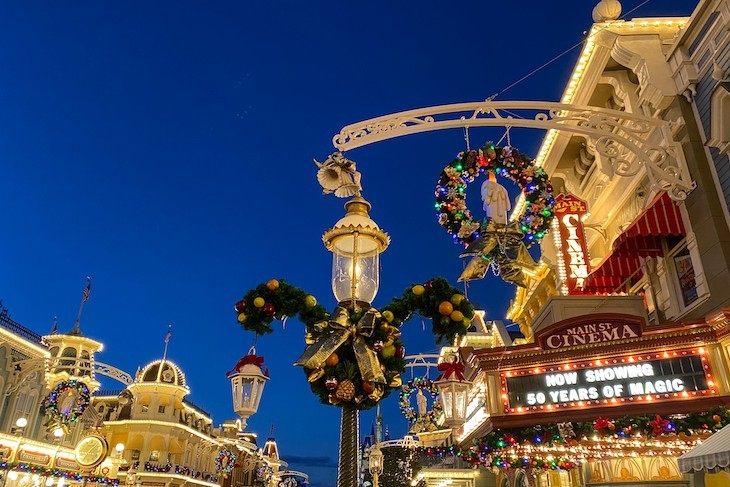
[610,361]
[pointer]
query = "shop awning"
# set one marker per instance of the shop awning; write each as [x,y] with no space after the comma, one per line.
[711,454]
[641,239]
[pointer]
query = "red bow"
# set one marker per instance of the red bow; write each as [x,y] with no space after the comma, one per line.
[602,424]
[659,426]
[248,359]
[449,368]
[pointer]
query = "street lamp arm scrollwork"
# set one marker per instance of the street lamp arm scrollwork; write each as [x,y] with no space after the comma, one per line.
[624,139]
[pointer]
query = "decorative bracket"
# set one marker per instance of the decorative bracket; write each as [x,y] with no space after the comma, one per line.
[625,140]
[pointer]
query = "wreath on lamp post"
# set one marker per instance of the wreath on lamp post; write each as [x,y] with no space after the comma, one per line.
[534,182]
[425,384]
[495,243]
[354,356]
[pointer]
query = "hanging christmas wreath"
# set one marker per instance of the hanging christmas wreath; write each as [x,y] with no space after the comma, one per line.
[67,401]
[455,216]
[424,384]
[354,356]
[224,461]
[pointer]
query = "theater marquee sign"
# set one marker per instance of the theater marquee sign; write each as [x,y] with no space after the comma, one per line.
[612,381]
[590,333]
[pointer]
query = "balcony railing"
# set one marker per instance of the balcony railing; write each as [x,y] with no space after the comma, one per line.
[18,329]
[176,469]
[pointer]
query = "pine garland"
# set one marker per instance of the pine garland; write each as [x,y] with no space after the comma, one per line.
[493,449]
[449,311]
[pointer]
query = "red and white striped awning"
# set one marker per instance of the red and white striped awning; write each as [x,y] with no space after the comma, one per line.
[642,239]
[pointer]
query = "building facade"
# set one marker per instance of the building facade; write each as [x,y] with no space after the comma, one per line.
[625,360]
[149,433]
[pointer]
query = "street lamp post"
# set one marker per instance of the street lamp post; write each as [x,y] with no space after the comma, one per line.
[356,243]
[375,463]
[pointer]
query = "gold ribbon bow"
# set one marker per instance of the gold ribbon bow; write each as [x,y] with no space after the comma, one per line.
[344,330]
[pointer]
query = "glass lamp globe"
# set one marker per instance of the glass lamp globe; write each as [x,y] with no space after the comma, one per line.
[247,387]
[453,393]
[375,460]
[356,243]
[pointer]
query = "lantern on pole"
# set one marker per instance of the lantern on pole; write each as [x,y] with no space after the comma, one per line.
[453,390]
[247,385]
[375,463]
[356,243]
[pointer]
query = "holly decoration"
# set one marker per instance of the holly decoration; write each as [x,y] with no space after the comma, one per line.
[453,213]
[336,373]
[67,402]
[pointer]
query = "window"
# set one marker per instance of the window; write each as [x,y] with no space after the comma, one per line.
[720,121]
[161,409]
[154,456]
[145,408]
[135,454]
[686,276]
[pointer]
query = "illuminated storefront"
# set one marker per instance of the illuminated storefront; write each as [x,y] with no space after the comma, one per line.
[624,362]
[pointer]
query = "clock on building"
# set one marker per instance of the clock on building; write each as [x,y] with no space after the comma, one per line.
[91,450]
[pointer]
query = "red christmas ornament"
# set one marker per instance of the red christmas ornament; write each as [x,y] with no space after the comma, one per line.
[269,309]
[716,418]
[400,351]
[240,306]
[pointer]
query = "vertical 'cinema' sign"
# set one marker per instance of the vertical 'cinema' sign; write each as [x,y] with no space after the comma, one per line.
[569,213]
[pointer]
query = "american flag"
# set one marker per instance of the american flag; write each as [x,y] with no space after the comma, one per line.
[87,290]
[169,334]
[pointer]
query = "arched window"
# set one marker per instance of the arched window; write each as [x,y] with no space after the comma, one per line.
[68,360]
[521,479]
[85,364]
[720,113]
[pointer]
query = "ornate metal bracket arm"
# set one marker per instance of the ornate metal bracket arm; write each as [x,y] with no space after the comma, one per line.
[625,140]
[113,372]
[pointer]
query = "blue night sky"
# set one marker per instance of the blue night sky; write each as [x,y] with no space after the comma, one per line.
[165,149]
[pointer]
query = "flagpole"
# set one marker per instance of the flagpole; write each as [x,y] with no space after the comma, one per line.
[164,354]
[84,297]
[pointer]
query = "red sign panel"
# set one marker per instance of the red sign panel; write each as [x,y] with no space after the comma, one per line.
[589,333]
[569,214]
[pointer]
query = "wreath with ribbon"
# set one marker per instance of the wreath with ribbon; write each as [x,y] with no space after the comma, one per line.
[453,213]
[74,390]
[420,383]
[354,356]
[224,461]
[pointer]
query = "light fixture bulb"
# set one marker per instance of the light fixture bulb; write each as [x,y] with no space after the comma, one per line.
[21,423]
